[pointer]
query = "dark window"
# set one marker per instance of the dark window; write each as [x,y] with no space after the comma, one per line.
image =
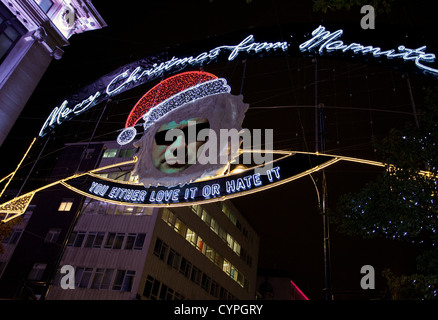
[129,244]
[118,240]
[126,153]
[148,286]
[11,31]
[99,240]
[124,279]
[139,241]
[110,240]
[79,239]
[185,267]
[90,240]
[163,292]
[155,289]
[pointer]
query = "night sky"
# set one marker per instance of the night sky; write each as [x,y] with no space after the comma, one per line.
[362,100]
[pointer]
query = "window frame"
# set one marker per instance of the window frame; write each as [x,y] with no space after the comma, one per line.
[54,235]
[37,271]
[66,205]
[110,153]
[10,21]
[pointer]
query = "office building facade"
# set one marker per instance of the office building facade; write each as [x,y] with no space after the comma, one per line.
[126,252]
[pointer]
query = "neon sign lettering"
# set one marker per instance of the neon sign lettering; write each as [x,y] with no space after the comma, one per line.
[327,41]
[247,45]
[283,170]
[63,113]
[137,194]
[140,75]
[322,41]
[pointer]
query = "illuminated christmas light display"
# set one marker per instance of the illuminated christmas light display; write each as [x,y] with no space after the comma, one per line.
[170,94]
[184,105]
[188,95]
[164,90]
[326,41]
[15,207]
[229,186]
[188,87]
[323,42]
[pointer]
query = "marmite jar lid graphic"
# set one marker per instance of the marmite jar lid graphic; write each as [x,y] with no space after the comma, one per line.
[184,116]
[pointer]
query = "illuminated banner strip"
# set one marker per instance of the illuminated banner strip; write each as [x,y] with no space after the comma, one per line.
[291,167]
[282,171]
[320,42]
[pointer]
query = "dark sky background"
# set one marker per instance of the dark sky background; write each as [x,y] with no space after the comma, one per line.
[362,100]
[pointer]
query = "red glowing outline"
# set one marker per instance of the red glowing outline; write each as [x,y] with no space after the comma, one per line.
[164,90]
[299,291]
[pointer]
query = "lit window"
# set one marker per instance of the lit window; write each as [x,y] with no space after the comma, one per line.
[226,267]
[237,248]
[209,252]
[110,153]
[129,209]
[200,244]
[179,227]
[197,209]
[133,178]
[219,260]
[102,175]
[191,237]
[230,241]
[233,272]
[126,153]
[214,226]
[65,205]
[118,175]
[233,219]
[168,216]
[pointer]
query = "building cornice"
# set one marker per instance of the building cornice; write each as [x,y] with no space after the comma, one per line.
[47,28]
